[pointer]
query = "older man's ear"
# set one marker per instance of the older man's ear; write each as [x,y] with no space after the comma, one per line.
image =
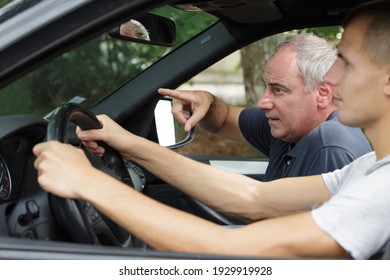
[325,96]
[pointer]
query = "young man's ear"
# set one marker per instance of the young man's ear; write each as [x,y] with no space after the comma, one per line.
[325,95]
[387,82]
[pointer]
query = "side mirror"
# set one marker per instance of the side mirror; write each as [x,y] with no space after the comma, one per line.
[148,29]
[170,133]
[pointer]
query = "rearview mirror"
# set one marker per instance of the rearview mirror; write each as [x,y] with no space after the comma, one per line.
[147,29]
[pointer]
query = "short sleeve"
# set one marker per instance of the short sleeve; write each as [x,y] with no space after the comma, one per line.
[255,129]
[357,215]
[330,158]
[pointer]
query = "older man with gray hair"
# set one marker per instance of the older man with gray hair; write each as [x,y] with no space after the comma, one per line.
[295,124]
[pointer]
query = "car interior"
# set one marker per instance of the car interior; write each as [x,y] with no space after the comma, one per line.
[38,225]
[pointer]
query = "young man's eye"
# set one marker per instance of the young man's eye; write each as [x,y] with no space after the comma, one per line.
[342,61]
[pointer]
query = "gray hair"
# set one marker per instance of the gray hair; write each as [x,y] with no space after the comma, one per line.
[134,29]
[314,57]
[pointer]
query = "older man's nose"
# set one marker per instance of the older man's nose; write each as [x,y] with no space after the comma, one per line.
[265,102]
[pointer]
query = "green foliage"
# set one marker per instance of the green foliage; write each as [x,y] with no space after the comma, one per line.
[331,33]
[4,2]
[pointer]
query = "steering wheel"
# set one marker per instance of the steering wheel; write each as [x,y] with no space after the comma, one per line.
[79,219]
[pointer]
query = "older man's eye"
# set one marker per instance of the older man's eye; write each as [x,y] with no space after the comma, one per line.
[278,90]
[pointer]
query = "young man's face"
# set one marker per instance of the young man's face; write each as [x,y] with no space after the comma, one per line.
[291,111]
[357,81]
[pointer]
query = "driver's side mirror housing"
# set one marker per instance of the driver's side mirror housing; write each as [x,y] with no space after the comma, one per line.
[170,132]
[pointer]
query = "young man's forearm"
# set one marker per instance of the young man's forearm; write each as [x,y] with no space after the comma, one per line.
[228,192]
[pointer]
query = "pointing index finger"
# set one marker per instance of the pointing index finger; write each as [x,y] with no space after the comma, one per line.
[178,94]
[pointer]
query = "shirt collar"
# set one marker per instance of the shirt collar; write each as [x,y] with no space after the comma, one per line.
[379,164]
[332,116]
[292,152]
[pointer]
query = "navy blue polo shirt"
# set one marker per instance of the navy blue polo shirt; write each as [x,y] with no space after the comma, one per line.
[327,147]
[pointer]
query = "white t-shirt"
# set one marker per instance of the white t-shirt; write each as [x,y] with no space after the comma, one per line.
[358,214]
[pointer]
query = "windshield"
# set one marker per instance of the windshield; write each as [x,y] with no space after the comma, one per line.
[91,71]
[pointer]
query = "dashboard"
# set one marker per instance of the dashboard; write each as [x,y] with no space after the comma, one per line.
[18,134]
[25,209]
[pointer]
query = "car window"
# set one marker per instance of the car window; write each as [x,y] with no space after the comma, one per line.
[91,71]
[237,80]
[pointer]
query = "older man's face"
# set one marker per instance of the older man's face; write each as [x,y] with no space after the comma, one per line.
[291,111]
